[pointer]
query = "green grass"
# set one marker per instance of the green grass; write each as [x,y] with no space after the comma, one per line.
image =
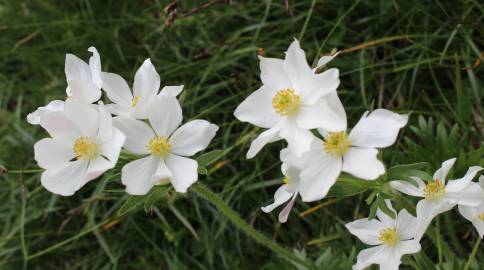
[420,60]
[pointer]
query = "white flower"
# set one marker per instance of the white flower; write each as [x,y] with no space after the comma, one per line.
[83,146]
[145,88]
[475,214]
[286,192]
[166,145]
[392,238]
[292,100]
[355,153]
[84,83]
[440,196]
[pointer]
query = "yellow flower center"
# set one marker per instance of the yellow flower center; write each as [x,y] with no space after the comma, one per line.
[337,143]
[389,236]
[434,190]
[85,148]
[135,101]
[159,146]
[481,216]
[286,102]
[285,180]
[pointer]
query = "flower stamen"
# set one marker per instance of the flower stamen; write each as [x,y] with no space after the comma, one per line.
[337,143]
[389,236]
[135,101]
[481,216]
[286,181]
[434,190]
[85,148]
[159,146]
[286,102]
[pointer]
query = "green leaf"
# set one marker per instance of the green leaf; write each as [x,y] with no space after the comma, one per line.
[134,202]
[407,171]
[202,170]
[347,185]
[373,209]
[208,158]
[384,207]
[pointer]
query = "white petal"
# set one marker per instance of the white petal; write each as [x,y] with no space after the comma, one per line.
[67,179]
[388,221]
[111,149]
[298,139]
[165,115]
[184,172]
[95,66]
[105,129]
[442,172]
[117,89]
[481,181]
[407,188]
[316,86]
[192,137]
[326,59]
[374,255]
[472,214]
[146,80]
[171,90]
[368,231]
[137,133]
[426,211]
[53,106]
[472,195]
[86,91]
[378,129]
[120,110]
[98,167]
[284,214]
[406,247]
[59,126]
[296,65]
[363,163]
[318,176]
[77,69]
[141,175]
[326,113]
[53,153]
[290,159]
[281,196]
[268,136]
[468,212]
[406,225]
[257,109]
[84,116]
[273,73]
[460,184]
[141,111]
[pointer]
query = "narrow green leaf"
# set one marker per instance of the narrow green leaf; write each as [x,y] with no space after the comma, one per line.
[208,158]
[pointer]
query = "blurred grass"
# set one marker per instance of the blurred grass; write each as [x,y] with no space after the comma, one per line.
[412,56]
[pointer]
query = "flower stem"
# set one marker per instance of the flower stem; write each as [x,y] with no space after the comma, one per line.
[205,193]
[473,254]
[439,242]
[24,171]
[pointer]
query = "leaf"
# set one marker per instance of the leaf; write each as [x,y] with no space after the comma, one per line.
[347,185]
[407,171]
[208,158]
[384,207]
[373,209]
[202,170]
[134,202]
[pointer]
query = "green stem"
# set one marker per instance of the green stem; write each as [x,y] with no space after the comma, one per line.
[22,233]
[24,171]
[473,254]
[439,243]
[205,193]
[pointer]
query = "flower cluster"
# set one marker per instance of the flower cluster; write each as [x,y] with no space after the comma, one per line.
[294,100]
[86,140]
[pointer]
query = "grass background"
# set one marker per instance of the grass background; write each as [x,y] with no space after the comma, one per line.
[412,56]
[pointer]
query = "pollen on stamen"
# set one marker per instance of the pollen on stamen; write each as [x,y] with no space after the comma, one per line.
[286,102]
[285,180]
[85,148]
[389,236]
[135,101]
[481,216]
[434,190]
[159,146]
[337,143]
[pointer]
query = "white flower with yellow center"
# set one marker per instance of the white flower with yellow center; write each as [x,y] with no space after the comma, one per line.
[292,100]
[475,214]
[439,196]
[83,146]
[145,88]
[354,153]
[392,239]
[166,145]
[84,83]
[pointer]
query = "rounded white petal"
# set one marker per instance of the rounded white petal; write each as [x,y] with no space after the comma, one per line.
[192,137]
[85,91]
[105,124]
[141,175]
[67,179]
[59,126]
[363,163]
[388,221]
[95,66]
[290,159]
[296,65]
[52,153]
[325,59]
[284,214]
[368,231]
[268,136]
[298,139]
[111,149]
[316,86]
[472,195]
[53,106]
[98,167]
[117,109]
[407,188]
[374,255]
[426,211]
[77,69]
[406,247]
[84,116]
[137,133]
[472,213]
[326,113]
[146,80]
[184,172]
[141,111]
[273,74]
[171,90]
[378,129]
[406,225]
[458,185]
[318,176]
[117,89]
[165,115]
[257,109]
[443,171]
[281,196]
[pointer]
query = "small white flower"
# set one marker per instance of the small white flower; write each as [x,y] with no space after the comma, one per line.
[440,196]
[84,83]
[83,146]
[392,239]
[354,153]
[292,100]
[166,145]
[145,88]
[475,214]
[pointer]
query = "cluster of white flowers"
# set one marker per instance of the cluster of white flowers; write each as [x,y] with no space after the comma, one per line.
[86,140]
[293,100]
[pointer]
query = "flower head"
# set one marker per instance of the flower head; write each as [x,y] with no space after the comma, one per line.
[475,214]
